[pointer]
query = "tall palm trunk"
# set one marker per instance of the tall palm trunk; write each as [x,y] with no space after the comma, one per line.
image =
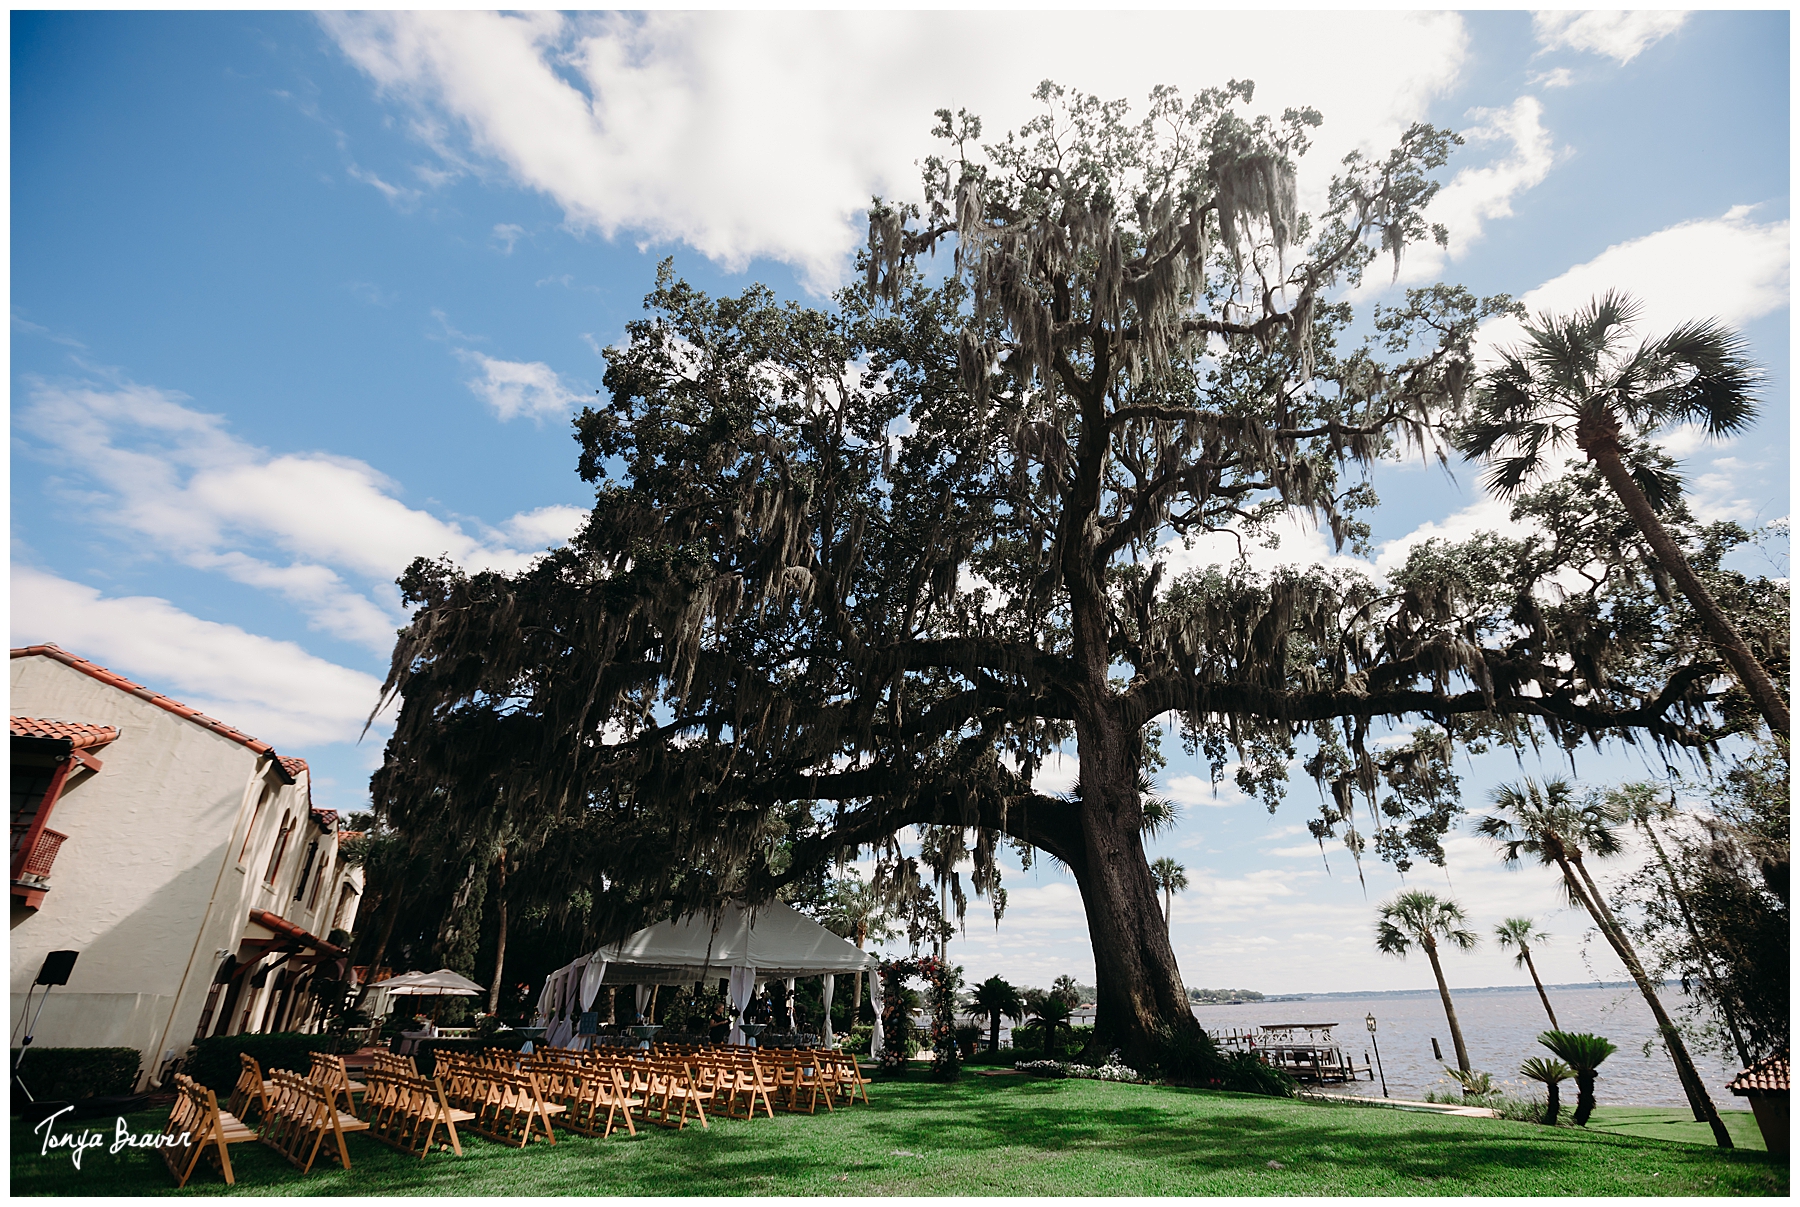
[500,943]
[993,1032]
[1437,970]
[1542,996]
[1575,874]
[1700,948]
[1598,437]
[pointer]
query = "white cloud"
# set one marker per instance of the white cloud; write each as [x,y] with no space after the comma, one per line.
[1729,268]
[1618,35]
[1477,195]
[399,196]
[508,233]
[1193,791]
[751,135]
[273,690]
[520,388]
[173,481]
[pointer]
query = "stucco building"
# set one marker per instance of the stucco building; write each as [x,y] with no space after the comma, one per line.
[181,858]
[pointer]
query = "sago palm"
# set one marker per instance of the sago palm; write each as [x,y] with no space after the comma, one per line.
[1521,933]
[1552,1073]
[997,998]
[1576,378]
[1546,822]
[1171,878]
[1584,1054]
[1421,918]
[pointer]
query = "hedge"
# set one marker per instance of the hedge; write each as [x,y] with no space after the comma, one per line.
[72,1074]
[215,1064]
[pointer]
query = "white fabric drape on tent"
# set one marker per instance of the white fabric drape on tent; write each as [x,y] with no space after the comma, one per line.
[827,986]
[792,1022]
[591,976]
[738,988]
[643,1001]
[877,1043]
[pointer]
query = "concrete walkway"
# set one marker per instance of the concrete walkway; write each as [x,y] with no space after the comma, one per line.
[1408,1104]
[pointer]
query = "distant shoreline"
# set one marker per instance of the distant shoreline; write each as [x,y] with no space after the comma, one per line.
[1306,997]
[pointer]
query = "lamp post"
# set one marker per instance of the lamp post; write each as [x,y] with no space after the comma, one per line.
[1369,1022]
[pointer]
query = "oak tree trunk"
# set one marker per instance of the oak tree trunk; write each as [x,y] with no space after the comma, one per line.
[1602,448]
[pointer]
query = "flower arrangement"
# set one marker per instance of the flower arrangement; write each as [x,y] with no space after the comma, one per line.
[896,1022]
[1113,1070]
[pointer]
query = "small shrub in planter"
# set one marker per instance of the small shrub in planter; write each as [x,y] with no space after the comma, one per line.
[72,1074]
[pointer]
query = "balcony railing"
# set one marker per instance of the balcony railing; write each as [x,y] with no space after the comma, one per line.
[36,865]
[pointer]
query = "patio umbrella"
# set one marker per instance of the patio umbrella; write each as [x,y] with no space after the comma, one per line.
[436,985]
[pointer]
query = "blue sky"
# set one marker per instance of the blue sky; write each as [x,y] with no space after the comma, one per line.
[296,299]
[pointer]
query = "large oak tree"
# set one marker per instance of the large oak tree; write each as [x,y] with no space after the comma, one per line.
[859,569]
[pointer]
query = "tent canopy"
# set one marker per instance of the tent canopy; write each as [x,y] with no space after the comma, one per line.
[776,940]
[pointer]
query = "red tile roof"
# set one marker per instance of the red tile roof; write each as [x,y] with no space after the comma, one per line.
[1764,1077]
[144,693]
[282,926]
[79,733]
[326,819]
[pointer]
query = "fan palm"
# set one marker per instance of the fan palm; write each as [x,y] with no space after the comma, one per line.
[1171,878]
[1575,378]
[1545,822]
[1584,1053]
[1552,1073]
[859,912]
[1643,804]
[1049,1011]
[1522,933]
[1421,918]
[997,998]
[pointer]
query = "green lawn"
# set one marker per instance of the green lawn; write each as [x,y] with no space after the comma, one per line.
[1005,1135]
[1670,1123]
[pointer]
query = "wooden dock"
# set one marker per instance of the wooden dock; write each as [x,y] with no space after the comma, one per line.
[1307,1052]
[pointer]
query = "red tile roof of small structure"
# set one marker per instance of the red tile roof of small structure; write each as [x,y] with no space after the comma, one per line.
[326,819]
[299,934]
[1764,1077]
[143,693]
[79,734]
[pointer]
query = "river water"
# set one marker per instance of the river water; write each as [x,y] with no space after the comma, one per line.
[1500,1027]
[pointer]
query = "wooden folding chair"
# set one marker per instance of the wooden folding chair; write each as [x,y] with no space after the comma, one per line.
[198,1128]
[252,1089]
[329,1074]
[406,1113]
[300,1118]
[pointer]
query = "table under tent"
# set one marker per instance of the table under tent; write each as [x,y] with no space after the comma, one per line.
[746,945]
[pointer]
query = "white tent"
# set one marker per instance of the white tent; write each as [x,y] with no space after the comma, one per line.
[745,943]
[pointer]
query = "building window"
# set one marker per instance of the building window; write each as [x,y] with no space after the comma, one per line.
[267,792]
[318,886]
[345,897]
[312,853]
[281,841]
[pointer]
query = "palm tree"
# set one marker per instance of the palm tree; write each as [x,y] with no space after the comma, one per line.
[1522,933]
[1419,917]
[997,998]
[1049,1011]
[1545,822]
[1171,878]
[1575,378]
[1552,1073]
[1583,1053]
[1643,804]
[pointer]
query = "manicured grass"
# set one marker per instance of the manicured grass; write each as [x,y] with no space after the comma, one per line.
[1670,1123]
[1006,1135]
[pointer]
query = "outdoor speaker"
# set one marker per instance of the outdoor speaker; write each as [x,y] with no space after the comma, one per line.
[56,969]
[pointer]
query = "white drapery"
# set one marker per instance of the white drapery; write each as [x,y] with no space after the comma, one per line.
[591,976]
[643,1001]
[792,1025]
[738,988]
[877,1044]
[827,985]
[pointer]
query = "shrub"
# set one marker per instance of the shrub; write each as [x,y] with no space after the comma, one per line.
[215,1065]
[72,1074]
[1043,1068]
[857,1039]
[1191,1058]
[967,1037]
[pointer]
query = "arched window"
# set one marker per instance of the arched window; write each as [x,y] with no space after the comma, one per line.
[267,792]
[318,884]
[345,897]
[281,841]
[312,853]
